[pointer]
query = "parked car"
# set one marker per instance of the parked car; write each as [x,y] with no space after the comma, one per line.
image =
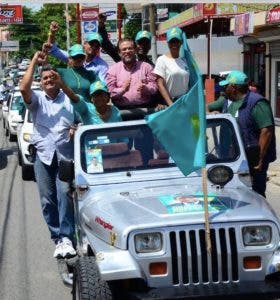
[5,108]
[140,227]
[3,97]
[25,155]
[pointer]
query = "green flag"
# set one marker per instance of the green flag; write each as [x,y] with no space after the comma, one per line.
[181,127]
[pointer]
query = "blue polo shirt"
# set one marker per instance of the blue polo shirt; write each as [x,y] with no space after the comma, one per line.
[52,119]
[97,64]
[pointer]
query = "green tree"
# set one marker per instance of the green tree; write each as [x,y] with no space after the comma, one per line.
[34,31]
[56,12]
[28,34]
[132,25]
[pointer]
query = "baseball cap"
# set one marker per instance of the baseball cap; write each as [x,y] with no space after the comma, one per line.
[143,34]
[235,77]
[174,33]
[94,36]
[76,49]
[98,86]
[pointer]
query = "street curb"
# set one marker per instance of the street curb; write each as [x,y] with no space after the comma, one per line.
[274,177]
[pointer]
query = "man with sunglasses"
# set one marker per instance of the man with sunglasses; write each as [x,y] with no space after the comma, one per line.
[254,115]
[92,44]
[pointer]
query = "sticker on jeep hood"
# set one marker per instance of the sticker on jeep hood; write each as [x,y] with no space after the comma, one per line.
[181,203]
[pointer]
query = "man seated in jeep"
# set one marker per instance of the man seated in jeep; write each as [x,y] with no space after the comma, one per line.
[131,83]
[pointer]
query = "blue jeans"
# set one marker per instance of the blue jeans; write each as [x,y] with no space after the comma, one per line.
[56,200]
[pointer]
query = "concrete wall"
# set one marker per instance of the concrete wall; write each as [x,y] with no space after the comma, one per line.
[226,53]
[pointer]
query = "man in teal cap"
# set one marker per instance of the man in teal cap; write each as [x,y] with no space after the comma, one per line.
[142,40]
[256,123]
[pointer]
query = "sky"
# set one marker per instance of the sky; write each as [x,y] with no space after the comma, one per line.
[34,6]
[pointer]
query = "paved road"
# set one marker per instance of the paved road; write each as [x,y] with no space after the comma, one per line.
[27,269]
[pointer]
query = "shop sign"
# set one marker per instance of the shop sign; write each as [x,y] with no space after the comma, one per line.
[89,14]
[225,8]
[11,14]
[273,15]
[209,9]
[183,17]
[162,14]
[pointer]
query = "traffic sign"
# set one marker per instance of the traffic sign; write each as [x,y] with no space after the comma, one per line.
[9,46]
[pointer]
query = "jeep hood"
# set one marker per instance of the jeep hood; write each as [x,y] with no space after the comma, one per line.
[125,208]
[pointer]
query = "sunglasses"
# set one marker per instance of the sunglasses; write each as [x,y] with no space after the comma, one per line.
[79,56]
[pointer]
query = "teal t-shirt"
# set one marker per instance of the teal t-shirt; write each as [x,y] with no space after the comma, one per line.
[216,105]
[261,112]
[89,115]
[78,79]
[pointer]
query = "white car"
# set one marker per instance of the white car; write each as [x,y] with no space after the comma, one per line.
[14,116]
[5,108]
[25,157]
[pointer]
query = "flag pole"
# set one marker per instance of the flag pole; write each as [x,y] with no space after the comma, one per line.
[206,212]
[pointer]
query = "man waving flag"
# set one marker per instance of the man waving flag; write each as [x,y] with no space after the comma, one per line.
[181,127]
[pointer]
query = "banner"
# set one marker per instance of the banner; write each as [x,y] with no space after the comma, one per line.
[11,14]
[243,24]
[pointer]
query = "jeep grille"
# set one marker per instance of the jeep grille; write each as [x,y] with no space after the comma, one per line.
[192,265]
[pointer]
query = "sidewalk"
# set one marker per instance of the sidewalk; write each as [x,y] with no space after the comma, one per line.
[274,167]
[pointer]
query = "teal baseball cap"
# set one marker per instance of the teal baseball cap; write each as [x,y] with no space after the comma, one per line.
[76,49]
[143,34]
[174,33]
[235,77]
[94,36]
[98,86]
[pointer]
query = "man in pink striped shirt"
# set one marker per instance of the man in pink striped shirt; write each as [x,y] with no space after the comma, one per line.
[131,83]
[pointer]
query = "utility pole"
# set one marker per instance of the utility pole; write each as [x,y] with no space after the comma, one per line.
[209,82]
[67,26]
[78,20]
[153,31]
[119,20]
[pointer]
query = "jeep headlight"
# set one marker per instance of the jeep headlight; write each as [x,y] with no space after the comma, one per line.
[26,137]
[148,242]
[256,235]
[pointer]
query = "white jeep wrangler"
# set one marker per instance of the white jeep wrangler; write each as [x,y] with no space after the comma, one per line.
[140,222]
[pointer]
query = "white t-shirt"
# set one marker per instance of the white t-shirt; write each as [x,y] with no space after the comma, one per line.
[175,73]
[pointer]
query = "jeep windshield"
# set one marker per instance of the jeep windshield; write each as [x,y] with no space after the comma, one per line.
[135,147]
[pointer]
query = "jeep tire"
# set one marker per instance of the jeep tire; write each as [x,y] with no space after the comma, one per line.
[87,284]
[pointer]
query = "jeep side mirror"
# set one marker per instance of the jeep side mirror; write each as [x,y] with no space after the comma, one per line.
[66,170]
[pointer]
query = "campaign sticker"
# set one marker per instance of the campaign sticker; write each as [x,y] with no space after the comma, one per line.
[181,203]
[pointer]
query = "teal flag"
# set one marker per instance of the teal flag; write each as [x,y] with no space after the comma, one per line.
[181,127]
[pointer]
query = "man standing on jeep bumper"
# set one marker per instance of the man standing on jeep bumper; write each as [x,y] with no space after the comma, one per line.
[53,117]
